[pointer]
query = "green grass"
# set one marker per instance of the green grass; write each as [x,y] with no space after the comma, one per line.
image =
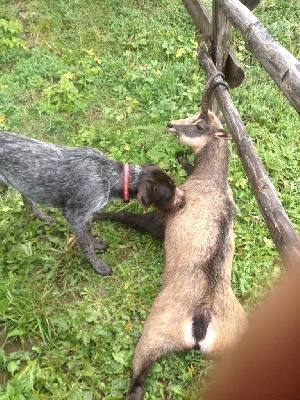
[109,74]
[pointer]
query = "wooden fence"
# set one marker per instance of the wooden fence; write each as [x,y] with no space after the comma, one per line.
[284,69]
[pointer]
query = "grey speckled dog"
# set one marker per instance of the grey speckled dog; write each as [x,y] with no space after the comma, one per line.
[79,181]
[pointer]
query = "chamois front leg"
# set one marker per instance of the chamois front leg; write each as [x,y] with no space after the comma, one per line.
[184,162]
[3,187]
[153,222]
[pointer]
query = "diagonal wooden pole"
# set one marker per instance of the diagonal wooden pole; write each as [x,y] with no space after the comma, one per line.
[284,235]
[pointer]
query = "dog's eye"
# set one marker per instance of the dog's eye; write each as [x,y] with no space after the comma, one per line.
[200,127]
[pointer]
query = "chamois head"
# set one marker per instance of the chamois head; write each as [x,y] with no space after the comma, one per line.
[204,126]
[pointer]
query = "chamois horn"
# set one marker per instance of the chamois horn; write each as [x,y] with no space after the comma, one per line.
[211,84]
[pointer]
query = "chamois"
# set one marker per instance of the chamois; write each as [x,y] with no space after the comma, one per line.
[196,307]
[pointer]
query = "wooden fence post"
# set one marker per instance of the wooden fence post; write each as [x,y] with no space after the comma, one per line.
[221,35]
[202,20]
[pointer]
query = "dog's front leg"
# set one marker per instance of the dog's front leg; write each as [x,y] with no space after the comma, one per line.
[83,236]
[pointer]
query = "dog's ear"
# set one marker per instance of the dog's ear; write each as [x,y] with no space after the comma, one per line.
[146,194]
[156,187]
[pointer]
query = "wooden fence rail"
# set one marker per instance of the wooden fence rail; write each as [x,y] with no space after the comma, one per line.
[282,66]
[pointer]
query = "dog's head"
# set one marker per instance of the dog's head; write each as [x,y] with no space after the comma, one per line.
[158,188]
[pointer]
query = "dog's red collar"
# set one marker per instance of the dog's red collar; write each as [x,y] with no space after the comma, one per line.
[125,183]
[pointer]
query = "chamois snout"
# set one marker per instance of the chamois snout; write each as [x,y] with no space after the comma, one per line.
[171,125]
[169,128]
[194,135]
[190,130]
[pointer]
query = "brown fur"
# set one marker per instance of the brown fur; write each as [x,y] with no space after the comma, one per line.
[196,307]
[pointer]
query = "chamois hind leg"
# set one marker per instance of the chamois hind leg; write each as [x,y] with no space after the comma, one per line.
[168,329]
[151,346]
[162,334]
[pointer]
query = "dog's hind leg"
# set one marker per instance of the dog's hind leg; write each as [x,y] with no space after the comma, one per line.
[38,213]
[86,242]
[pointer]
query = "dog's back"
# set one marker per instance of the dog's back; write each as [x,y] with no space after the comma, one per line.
[46,173]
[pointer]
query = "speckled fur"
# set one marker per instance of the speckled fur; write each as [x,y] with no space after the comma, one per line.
[78,181]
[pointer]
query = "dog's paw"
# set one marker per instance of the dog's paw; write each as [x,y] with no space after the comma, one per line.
[99,244]
[102,268]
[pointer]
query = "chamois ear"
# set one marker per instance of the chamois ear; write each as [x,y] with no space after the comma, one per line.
[145,195]
[222,134]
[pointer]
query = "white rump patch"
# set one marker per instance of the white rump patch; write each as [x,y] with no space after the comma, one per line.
[207,343]
[189,339]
